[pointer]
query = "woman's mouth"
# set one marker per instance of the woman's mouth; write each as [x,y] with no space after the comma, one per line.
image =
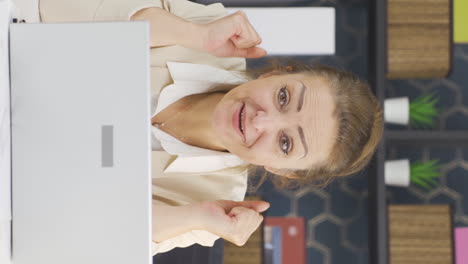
[239,122]
[241,119]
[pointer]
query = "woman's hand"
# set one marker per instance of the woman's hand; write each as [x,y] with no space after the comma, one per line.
[230,36]
[233,221]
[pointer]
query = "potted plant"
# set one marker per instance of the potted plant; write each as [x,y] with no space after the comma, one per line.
[421,174]
[419,113]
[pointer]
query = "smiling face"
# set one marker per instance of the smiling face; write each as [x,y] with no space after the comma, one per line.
[280,121]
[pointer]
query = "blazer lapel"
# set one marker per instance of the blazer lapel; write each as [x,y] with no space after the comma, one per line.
[159,162]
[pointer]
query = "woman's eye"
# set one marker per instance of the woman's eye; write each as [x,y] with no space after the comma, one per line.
[285,144]
[283,96]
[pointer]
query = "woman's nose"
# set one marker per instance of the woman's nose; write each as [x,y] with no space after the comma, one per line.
[263,121]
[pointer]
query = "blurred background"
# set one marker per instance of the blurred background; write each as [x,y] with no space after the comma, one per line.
[336,218]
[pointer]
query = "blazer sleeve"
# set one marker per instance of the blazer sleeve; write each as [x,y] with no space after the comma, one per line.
[122,10]
[187,239]
[188,188]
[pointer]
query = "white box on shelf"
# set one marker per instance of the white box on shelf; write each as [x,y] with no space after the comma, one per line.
[294,30]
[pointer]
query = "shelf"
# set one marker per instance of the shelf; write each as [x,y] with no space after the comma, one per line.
[425,137]
[378,228]
[378,214]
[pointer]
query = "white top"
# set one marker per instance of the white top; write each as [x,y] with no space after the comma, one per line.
[191,79]
[199,168]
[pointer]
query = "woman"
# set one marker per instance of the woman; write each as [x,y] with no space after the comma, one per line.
[210,122]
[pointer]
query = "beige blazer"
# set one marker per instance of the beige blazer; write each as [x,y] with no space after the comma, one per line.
[168,188]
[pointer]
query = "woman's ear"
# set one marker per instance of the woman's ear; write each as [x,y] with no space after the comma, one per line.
[282,172]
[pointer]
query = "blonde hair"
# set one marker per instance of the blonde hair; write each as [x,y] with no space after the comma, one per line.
[360,126]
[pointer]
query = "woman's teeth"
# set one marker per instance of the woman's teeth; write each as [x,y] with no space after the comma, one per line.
[241,117]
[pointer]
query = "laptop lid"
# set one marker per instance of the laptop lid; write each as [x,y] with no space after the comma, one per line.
[81,182]
[5,141]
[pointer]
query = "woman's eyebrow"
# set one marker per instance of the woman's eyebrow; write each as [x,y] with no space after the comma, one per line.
[301,135]
[301,98]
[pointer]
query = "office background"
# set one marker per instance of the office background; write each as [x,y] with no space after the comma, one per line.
[337,216]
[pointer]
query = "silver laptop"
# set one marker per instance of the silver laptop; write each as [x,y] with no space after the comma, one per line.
[81,181]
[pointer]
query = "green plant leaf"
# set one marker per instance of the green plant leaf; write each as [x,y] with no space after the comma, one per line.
[420,183]
[423,111]
[424,165]
[432,181]
[424,173]
[432,175]
[420,122]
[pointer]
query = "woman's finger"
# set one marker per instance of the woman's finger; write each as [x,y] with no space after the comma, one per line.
[258,206]
[253,52]
[247,36]
[245,222]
